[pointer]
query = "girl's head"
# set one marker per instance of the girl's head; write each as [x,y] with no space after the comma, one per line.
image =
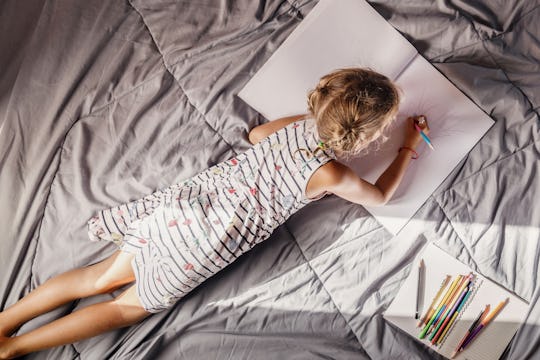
[352,107]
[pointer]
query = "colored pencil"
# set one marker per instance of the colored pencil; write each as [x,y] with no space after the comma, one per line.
[484,323]
[419,287]
[440,328]
[432,307]
[454,317]
[446,302]
[471,328]
[441,305]
[450,301]
[452,306]
[424,136]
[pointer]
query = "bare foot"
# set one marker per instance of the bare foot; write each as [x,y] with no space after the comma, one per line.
[5,350]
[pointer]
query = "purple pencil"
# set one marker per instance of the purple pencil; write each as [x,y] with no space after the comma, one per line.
[484,323]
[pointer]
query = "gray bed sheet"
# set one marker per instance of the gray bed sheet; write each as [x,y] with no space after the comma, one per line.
[104,102]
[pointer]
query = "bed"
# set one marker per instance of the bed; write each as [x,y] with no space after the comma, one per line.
[102,103]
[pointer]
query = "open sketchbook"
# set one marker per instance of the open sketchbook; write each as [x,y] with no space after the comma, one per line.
[347,33]
[491,342]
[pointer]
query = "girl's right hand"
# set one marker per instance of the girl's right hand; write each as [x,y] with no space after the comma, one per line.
[412,136]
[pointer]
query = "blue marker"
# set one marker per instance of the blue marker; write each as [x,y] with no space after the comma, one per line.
[424,136]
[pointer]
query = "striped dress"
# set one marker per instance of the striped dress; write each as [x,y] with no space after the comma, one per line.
[185,233]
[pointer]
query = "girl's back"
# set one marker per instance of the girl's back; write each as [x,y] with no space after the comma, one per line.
[193,229]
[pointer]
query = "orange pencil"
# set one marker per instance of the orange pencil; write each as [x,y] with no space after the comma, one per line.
[480,317]
[484,323]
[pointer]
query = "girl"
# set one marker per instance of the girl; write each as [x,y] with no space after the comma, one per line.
[171,241]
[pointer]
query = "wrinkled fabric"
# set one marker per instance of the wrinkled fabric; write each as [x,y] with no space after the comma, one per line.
[103,103]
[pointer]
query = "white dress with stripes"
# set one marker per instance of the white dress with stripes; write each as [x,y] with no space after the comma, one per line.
[185,233]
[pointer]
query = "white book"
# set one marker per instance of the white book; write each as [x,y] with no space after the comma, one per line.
[490,343]
[350,33]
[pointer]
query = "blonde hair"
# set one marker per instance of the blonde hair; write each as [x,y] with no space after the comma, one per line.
[352,107]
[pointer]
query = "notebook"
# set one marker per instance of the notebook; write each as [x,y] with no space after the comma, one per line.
[347,33]
[491,341]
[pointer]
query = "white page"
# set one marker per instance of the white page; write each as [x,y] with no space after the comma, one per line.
[456,125]
[335,34]
[491,342]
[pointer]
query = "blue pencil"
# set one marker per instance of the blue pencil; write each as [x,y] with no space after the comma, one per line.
[456,313]
[424,136]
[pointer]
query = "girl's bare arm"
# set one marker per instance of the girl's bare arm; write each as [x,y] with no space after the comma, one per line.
[342,181]
[260,132]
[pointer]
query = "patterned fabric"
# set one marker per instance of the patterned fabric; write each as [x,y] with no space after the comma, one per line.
[183,234]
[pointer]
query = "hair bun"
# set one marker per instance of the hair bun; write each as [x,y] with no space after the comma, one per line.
[352,107]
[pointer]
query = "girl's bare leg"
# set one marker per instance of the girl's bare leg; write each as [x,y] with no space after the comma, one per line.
[90,321]
[99,278]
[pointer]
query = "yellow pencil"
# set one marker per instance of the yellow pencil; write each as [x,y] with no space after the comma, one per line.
[454,316]
[432,308]
[437,312]
[450,304]
[449,299]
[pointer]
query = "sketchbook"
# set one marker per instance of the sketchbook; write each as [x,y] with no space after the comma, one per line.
[350,33]
[492,341]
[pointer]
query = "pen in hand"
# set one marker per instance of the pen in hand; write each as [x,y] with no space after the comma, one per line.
[421,121]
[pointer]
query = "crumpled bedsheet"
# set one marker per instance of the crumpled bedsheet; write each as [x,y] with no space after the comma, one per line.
[103,103]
